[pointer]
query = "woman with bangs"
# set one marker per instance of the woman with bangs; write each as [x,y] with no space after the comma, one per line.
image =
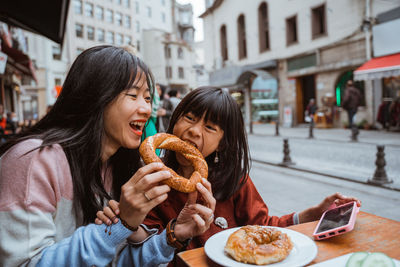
[55,176]
[210,119]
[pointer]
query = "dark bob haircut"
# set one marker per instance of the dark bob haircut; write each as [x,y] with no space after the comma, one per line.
[97,76]
[220,108]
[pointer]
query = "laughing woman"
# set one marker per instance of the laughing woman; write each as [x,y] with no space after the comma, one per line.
[58,174]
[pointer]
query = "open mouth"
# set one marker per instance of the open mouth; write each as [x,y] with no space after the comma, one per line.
[137,126]
[193,144]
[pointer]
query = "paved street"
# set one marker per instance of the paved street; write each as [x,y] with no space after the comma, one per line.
[287,190]
[331,152]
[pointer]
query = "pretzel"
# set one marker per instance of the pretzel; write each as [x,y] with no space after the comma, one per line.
[259,245]
[168,141]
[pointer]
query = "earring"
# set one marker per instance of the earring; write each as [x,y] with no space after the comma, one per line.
[216,159]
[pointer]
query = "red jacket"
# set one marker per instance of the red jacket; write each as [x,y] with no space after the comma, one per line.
[245,207]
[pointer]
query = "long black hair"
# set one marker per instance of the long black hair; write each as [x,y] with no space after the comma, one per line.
[220,108]
[95,79]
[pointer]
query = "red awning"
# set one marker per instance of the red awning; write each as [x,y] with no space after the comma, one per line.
[19,61]
[379,67]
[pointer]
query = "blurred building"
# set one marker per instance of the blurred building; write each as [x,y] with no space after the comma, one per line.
[269,50]
[161,31]
[16,73]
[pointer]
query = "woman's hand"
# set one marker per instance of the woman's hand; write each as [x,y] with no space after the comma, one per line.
[315,213]
[142,193]
[109,214]
[195,218]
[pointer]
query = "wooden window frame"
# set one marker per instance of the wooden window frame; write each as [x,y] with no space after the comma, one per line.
[223,43]
[242,45]
[313,22]
[296,41]
[263,28]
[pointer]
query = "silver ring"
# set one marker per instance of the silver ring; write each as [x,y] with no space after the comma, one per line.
[149,199]
[211,218]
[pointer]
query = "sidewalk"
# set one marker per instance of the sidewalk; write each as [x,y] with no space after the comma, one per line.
[377,137]
[331,152]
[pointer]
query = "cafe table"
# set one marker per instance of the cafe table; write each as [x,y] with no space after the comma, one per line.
[371,233]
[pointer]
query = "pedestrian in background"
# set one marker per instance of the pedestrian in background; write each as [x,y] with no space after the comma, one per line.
[310,110]
[351,101]
[174,97]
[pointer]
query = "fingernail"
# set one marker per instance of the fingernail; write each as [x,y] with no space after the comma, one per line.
[159,165]
[204,180]
[108,222]
[199,185]
[117,211]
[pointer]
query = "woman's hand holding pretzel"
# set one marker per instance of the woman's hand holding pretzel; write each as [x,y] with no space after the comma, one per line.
[142,193]
[195,218]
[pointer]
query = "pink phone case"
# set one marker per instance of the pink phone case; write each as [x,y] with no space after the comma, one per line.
[338,230]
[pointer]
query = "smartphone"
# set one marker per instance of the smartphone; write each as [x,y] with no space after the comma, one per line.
[336,221]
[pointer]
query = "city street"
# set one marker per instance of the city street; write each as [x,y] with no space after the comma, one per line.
[285,190]
[331,152]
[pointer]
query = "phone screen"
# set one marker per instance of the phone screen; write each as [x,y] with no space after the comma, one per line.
[335,218]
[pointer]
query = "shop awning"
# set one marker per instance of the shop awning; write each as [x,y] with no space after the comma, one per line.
[44,17]
[19,61]
[379,67]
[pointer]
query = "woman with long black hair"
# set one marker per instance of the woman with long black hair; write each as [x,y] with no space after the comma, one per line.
[55,176]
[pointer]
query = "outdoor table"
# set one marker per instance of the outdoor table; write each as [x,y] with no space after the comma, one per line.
[371,233]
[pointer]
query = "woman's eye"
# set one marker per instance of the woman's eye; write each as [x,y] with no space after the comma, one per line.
[211,127]
[148,99]
[189,117]
[132,95]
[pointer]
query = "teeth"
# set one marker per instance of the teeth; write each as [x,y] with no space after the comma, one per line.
[193,144]
[137,123]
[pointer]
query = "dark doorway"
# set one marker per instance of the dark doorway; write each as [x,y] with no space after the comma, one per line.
[305,91]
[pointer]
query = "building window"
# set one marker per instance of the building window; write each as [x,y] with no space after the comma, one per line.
[318,22]
[242,37]
[137,26]
[57,81]
[56,52]
[224,44]
[291,30]
[128,21]
[78,6]
[149,12]
[110,37]
[137,7]
[109,16]
[118,39]
[127,3]
[119,2]
[79,51]
[163,18]
[79,30]
[99,13]
[167,51]
[263,27]
[90,32]
[180,52]
[100,35]
[181,73]
[89,10]
[138,45]
[168,72]
[118,18]
[128,40]
[163,2]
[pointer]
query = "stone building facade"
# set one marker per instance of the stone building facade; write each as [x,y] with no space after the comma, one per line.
[310,50]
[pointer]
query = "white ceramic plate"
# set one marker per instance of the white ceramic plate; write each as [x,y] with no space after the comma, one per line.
[303,252]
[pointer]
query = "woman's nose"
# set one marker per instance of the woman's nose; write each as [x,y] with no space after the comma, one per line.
[145,108]
[195,130]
